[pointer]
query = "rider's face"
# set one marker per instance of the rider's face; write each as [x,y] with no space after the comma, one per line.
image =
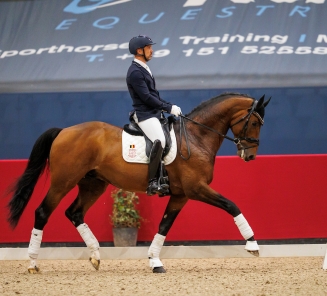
[148,51]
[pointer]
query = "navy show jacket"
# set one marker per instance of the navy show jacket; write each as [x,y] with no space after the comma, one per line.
[142,88]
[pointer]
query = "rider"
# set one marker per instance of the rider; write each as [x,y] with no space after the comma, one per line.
[148,105]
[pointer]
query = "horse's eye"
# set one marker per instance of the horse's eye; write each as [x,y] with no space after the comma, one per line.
[255,123]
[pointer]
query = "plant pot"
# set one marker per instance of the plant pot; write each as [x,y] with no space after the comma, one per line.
[125,236]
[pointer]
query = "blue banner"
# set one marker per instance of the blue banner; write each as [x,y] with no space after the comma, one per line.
[80,45]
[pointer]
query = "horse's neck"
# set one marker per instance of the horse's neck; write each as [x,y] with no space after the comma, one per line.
[219,118]
[233,108]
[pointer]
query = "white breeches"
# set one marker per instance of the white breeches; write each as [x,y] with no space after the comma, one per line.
[153,130]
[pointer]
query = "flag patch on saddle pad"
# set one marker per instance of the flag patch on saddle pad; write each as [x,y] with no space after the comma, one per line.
[134,149]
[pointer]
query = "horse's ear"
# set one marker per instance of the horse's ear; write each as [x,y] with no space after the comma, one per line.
[260,102]
[266,103]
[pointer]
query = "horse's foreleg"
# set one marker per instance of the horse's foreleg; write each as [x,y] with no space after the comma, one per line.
[248,234]
[90,189]
[175,204]
[205,194]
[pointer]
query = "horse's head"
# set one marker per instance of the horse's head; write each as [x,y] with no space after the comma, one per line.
[246,129]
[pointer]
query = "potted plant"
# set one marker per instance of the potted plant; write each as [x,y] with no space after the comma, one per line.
[125,218]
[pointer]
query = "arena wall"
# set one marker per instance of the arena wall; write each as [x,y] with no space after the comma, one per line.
[282,197]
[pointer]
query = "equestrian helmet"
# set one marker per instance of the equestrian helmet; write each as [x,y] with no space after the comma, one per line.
[139,42]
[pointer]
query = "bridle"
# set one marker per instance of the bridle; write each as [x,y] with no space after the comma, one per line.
[237,141]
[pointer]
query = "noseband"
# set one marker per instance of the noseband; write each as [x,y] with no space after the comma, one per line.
[236,141]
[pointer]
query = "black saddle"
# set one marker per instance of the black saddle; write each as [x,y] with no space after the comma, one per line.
[166,123]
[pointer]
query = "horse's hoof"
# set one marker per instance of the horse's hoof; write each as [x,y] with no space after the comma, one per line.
[254,253]
[159,269]
[33,270]
[95,263]
[252,247]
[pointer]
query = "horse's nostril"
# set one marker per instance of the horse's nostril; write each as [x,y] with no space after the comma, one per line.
[251,157]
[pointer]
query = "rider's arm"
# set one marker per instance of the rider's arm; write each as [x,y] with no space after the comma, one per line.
[137,81]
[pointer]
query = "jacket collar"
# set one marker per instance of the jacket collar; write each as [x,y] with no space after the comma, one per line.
[142,69]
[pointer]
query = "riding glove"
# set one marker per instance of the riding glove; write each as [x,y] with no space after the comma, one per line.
[175,110]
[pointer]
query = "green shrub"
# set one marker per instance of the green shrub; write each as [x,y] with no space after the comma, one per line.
[124,213]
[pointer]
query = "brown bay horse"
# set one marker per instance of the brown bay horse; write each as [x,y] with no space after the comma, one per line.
[89,155]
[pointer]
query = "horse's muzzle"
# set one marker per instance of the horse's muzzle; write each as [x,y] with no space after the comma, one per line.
[246,155]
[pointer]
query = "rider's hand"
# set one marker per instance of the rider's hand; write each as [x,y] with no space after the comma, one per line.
[175,110]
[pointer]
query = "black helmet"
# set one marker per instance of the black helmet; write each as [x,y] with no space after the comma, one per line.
[139,42]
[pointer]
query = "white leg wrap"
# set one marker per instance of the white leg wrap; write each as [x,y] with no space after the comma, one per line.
[324,264]
[90,240]
[33,265]
[35,244]
[155,262]
[251,246]
[243,226]
[155,249]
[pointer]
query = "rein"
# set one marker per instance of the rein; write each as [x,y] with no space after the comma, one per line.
[236,141]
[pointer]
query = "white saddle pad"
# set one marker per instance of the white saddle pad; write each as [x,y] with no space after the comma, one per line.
[134,149]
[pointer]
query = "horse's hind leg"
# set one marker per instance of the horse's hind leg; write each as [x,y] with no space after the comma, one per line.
[90,189]
[42,214]
[175,205]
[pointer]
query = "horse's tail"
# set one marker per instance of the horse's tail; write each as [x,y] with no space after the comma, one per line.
[24,186]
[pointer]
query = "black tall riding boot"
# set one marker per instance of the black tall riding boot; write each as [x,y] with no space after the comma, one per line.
[155,159]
